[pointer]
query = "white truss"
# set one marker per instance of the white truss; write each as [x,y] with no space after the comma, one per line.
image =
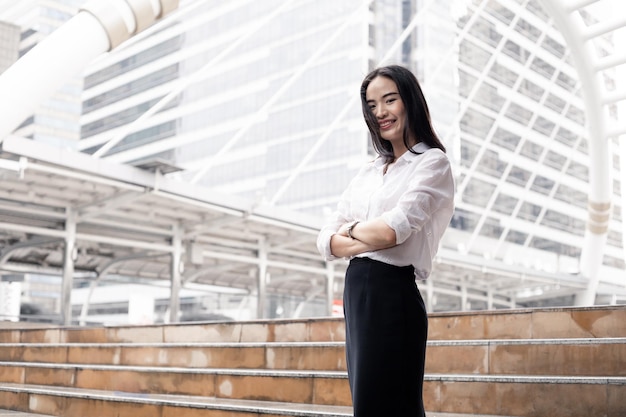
[585,42]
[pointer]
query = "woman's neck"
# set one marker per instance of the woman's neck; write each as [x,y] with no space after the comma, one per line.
[399,150]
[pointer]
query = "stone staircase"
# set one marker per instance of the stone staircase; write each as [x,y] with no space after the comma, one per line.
[536,362]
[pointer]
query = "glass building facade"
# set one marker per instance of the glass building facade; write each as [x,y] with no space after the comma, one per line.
[266,83]
[9,44]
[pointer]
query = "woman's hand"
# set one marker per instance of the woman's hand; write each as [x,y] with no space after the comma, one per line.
[367,236]
[343,230]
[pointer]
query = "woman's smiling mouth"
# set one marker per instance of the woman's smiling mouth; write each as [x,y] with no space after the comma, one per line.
[385,124]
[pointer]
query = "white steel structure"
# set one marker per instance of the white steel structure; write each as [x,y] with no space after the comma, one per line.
[55,117]
[272,92]
[598,64]
[533,142]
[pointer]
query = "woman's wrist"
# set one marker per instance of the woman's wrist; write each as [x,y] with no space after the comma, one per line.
[350,229]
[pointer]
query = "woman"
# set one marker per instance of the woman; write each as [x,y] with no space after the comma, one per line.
[388,223]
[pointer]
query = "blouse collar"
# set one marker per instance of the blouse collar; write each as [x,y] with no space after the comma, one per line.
[408,156]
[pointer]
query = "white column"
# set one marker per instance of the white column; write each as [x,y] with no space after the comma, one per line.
[69,256]
[176,268]
[10,299]
[464,303]
[262,280]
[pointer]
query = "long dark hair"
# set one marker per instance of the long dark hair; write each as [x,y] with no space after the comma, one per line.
[417,124]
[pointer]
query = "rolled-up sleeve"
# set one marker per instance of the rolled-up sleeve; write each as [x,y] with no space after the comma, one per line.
[339,217]
[323,243]
[431,187]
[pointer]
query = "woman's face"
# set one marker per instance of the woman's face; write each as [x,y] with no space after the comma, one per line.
[385,103]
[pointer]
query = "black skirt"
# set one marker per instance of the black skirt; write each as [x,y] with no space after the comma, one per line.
[386,331]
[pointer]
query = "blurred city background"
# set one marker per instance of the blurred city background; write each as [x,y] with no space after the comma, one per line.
[184,174]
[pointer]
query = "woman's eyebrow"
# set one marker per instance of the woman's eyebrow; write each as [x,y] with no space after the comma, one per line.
[384,96]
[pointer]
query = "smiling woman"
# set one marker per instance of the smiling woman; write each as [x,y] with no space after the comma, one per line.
[388,223]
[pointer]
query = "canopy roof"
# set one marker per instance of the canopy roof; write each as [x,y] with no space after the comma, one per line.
[128,221]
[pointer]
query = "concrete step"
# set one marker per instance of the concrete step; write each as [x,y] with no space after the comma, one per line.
[529,396]
[13,413]
[557,357]
[582,357]
[310,356]
[443,392]
[536,362]
[462,394]
[540,323]
[186,404]
[72,402]
[256,331]
[572,322]
[312,387]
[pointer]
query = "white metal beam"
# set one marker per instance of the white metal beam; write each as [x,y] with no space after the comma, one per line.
[97,28]
[610,61]
[570,23]
[603,28]
[572,5]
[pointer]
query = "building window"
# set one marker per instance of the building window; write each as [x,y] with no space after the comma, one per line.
[505,139]
[464,220]
[516,52]
[478,192]
[503,74]
[542,185]
[571,196]
[555,48]
[476,123]
[516,237]
[528,30]
[519,114]
[518,176]
[505,204]
[542,68]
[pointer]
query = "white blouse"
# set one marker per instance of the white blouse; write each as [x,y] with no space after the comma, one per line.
[415,198]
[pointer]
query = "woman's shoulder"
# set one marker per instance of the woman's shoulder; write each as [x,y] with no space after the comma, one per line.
[437,153]
[427,152]
[432,158]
